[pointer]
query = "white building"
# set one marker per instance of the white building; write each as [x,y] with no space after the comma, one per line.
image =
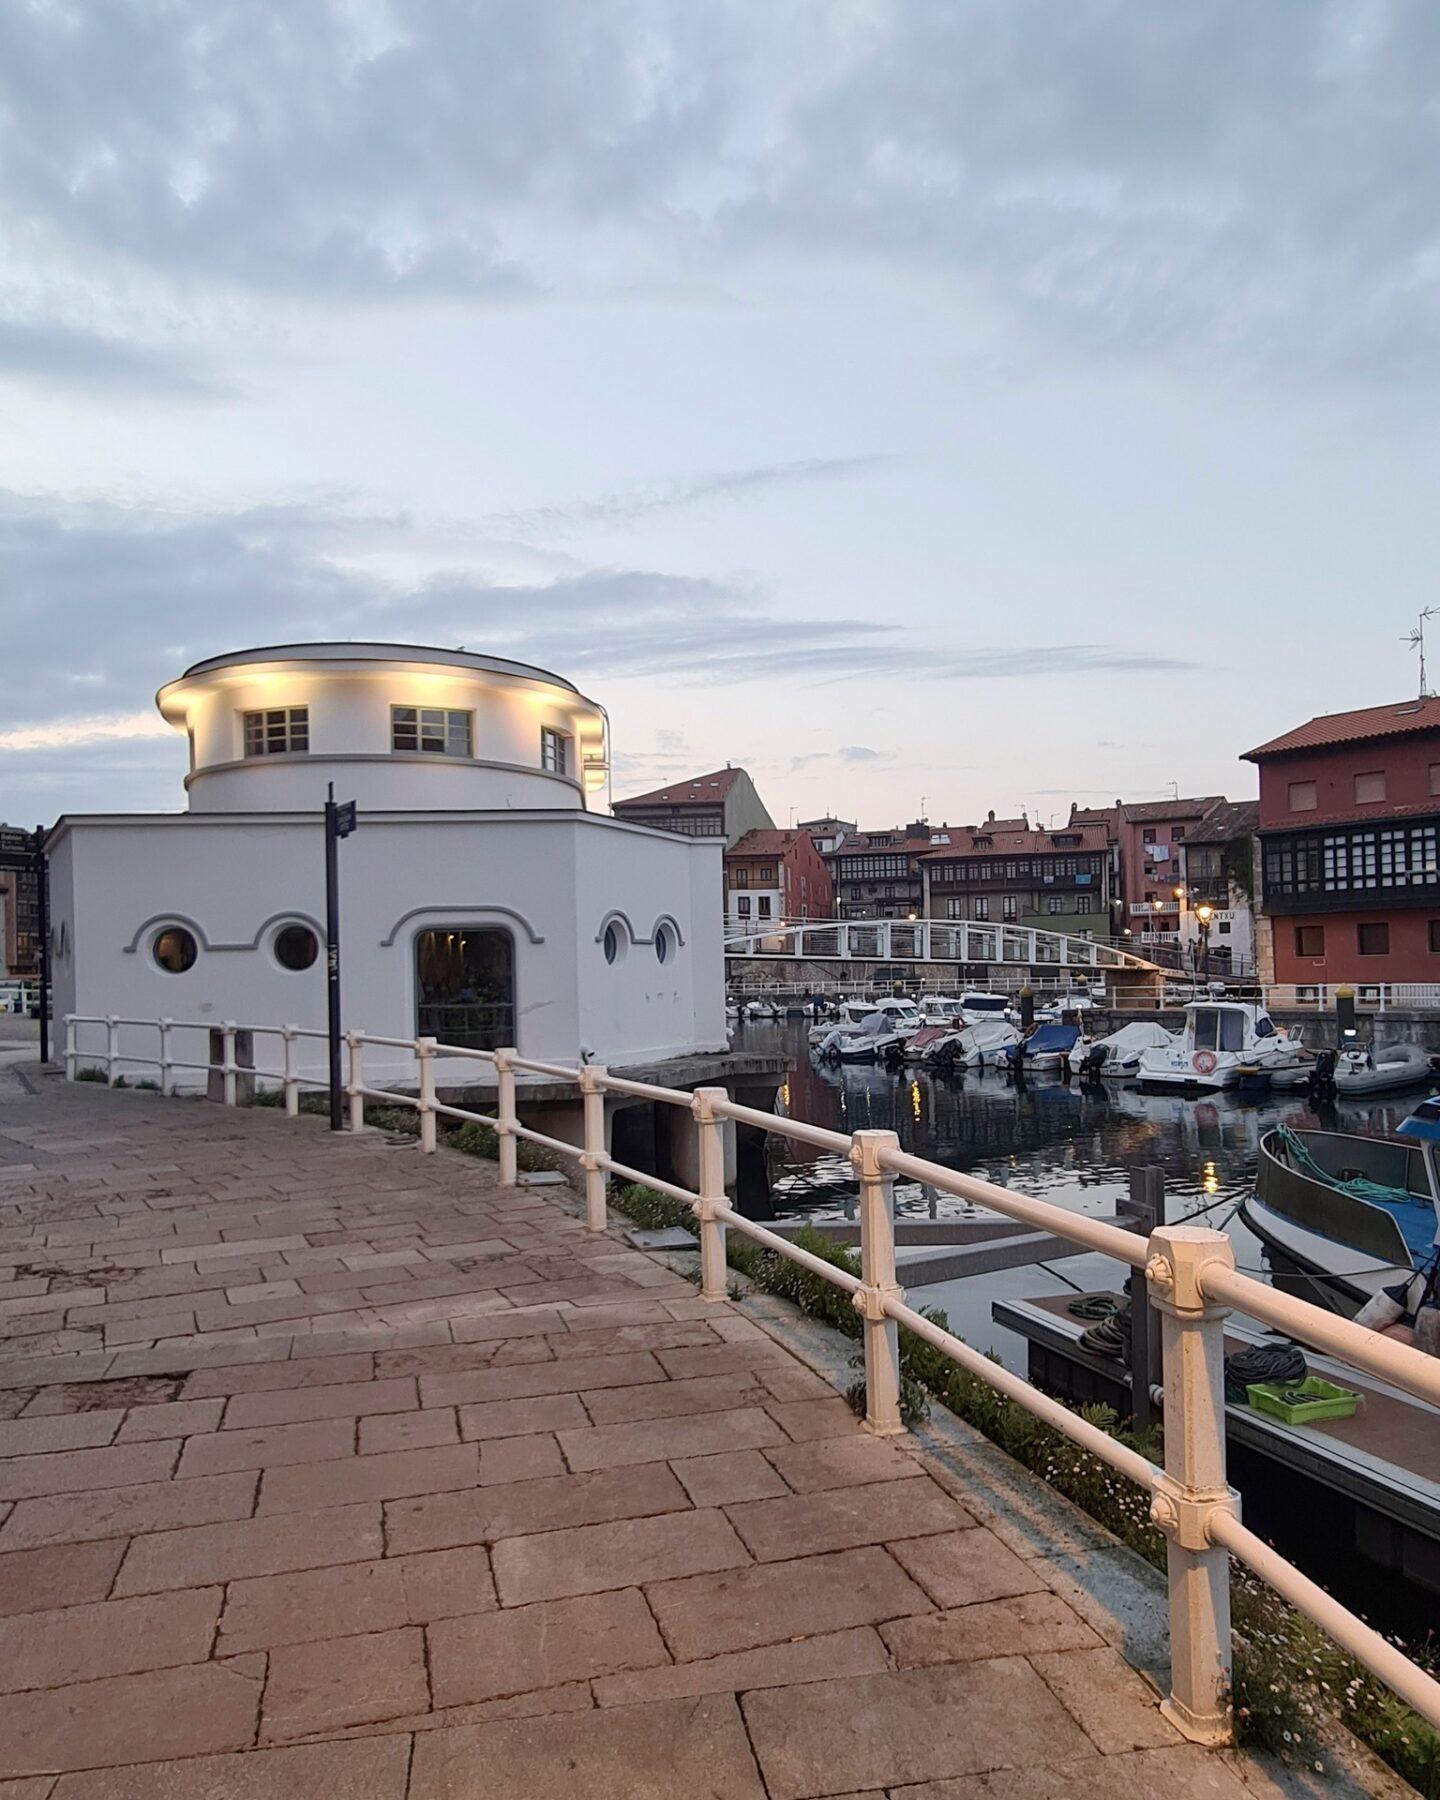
[483,901]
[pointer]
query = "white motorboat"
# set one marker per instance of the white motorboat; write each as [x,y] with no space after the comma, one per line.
[1384,1071]
[1117,1057]
[976,1047]
[848,1014]
[977,1008]
[940,1009]
[762,1009]
[875,1038]
[1221,1038]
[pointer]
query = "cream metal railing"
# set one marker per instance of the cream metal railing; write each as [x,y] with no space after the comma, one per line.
[1189,1274]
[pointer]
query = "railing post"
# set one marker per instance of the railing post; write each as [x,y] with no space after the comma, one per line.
[877,1271]
[1193,1487]
[355,1079]
[165,1025]
[69,1046]
[711,1146]
[505,1117]
[112,1048]
[592,1161]
[425,1056]
[290,1084]
[227,1062]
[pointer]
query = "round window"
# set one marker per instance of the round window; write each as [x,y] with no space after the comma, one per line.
[612,943]
[296,947]
[662,944]
[175,950]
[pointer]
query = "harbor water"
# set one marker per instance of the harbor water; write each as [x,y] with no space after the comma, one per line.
[1071,1144]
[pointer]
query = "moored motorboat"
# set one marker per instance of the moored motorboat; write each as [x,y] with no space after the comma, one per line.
[1047,1047]
[1117,1057]
[1383,1071]
[1221,1039]
[976,1047]
[1344,1217]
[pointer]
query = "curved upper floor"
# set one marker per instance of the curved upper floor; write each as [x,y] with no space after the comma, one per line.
[392,725]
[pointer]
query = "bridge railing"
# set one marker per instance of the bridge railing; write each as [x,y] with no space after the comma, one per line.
[1188,1275]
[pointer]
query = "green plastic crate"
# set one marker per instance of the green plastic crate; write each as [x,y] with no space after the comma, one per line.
[1323,1400]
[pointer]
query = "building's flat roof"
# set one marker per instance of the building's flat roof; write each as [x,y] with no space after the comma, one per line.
[1398,719]
[374,650]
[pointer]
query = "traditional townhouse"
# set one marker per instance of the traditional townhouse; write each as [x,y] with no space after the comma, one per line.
[876,874]
[775,875]
[720,805]
[1350,847]
[1005,873]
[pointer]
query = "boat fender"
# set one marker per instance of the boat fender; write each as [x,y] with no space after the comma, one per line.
[1203,1062]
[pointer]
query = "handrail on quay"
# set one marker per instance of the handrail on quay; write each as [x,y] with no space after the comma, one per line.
[1189,1274]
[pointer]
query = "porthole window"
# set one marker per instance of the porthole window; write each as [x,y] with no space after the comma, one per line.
[664,944]
[296,947]
[175,950]
[612,943]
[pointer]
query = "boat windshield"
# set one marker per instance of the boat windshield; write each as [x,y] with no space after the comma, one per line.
[1218,1028]
[985,1003]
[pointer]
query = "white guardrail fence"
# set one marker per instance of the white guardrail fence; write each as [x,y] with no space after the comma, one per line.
[1189,1274]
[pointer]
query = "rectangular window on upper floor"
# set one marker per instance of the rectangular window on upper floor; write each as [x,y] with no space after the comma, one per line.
[1370,788]
[433,730]
[1303,796]
[554,751]
[278,730]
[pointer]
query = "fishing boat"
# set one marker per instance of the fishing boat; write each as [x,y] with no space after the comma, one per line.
[1117,1057]
[848,1014]
[1047,1047]
[941,1009]
[1344,1217]
[1221,1039]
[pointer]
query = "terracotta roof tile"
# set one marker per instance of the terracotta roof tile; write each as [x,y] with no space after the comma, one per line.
[1156,811]
[764,843]
[702,789]
[1228,820]
[1396,720]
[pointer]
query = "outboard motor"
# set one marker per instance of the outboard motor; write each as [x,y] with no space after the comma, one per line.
[1094,1063]
[1322,1076]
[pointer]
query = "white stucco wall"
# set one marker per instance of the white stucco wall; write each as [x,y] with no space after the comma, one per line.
[551,878]
[349,691]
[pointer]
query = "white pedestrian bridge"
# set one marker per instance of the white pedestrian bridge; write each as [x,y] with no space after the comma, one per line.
[927,941]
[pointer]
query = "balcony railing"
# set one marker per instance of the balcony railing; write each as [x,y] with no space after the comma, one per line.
[1187,1273]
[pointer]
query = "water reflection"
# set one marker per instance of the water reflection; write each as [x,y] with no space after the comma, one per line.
[1074,1146]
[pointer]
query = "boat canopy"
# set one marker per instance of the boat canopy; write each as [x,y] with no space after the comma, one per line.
[1048,1039]
[1139,1035]
[1423,1123]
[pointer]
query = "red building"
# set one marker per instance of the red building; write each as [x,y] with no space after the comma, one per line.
[1349,816]
[774,875]
[1150,835]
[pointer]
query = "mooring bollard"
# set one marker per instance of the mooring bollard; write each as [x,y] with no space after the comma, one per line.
[291,1086]
[1193,1487]
[69,1046]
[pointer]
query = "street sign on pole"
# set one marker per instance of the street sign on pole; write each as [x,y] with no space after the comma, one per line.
[339,823]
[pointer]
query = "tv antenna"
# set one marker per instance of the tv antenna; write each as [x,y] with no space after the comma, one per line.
[1416,640]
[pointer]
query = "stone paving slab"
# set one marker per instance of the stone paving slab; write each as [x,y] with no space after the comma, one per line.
[327,1468]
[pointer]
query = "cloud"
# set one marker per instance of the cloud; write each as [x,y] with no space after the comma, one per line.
[110,602]
[52,352]
[1221,179]
[734,484]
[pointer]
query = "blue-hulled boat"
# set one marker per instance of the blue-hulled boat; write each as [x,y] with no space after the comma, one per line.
[1047,1047]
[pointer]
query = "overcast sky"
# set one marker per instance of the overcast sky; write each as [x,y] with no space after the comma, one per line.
[976,402]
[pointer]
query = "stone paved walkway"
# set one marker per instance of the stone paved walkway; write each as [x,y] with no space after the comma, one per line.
[328,1469]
